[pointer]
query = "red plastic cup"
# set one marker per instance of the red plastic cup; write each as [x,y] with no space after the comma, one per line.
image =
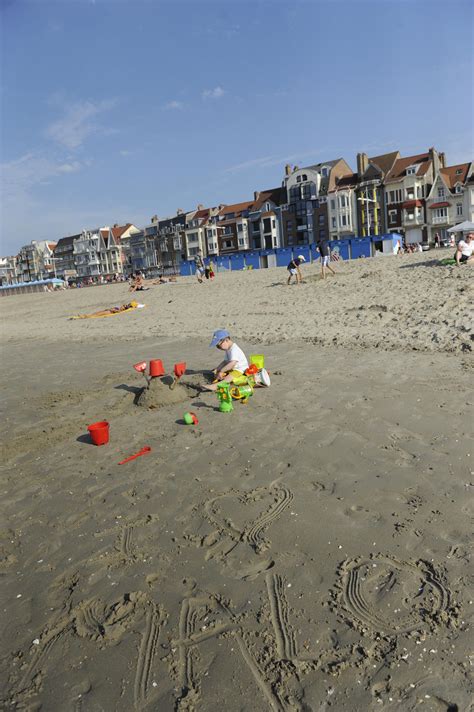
[99,432]
[156,368]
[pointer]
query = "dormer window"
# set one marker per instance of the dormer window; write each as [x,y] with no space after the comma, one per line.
[298,179]
[411,170]
[324,172]
[458,189]
[459,172]
[304,176]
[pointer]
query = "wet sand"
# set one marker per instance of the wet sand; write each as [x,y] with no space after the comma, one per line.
[308,551]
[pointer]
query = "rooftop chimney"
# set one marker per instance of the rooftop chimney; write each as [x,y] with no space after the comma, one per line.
[442,159]
[179,211]
[256,194]
[200,206]
[296,168]
[435,159]
[287,169]
[154,219]
[362,163]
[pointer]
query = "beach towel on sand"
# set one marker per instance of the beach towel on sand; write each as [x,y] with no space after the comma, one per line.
[112,312]
[448,261]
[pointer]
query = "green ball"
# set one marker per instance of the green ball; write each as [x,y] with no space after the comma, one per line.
[188,418]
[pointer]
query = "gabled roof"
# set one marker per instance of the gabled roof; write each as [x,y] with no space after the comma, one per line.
[275,195]
[344,182]
[451,176]
[236,208]
[400,166]
[385,161]
[118,230]
[66,241]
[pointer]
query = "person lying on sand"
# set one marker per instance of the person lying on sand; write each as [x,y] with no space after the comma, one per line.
[464,250]
[235,362]
[108,312]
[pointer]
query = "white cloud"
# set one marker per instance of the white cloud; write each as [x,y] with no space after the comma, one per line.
[215,93]
[30,170]
[78,123]
[174,105]
[267,161]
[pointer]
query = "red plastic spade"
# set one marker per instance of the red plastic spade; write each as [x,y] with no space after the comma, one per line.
[144,451]
[141,368]
[179,369]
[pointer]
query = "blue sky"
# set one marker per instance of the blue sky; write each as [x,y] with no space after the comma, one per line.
[115,110]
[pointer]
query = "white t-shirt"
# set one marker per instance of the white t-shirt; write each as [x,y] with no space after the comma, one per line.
[236,354]
[466,249]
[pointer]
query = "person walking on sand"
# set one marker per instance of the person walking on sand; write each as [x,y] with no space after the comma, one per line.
[212,271]
[199,264]
[437,240]
[294,269]
[325,251]
[465,249]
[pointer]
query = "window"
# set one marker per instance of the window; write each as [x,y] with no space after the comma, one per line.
[324,172]
[459,172]
[193,237]
[441,192]
[411,170]
[333,204]
[267,207]
[227,244]
[333,221]
[240,227]
[392,216]
[267,226]
[273,224]
[458,189]
[321,219]
[241,242]
[344,220]
[289,226]
[343,201]
[304,176]
[298,179]
[322,234]
[227,230]
[256,226]
[458,208]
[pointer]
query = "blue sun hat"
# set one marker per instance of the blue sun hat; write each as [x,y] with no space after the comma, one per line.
[219,335]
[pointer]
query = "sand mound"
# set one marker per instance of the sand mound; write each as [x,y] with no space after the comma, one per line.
[159,394]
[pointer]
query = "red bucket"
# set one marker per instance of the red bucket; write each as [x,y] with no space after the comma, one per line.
[99,432]
[156,368]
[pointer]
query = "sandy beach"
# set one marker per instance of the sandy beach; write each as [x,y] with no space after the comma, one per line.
[308,551]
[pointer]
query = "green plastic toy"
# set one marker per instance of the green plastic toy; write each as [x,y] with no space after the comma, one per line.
[225,397]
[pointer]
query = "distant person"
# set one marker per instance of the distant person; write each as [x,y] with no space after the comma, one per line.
[212,270]
[437,240]
[294,269]
[464,250]
[199,264]
[138,284]
[325,251]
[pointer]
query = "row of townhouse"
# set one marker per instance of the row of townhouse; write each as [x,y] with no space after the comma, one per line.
[103,252]
[417,196]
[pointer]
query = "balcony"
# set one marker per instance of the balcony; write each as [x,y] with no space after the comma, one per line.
[440,220]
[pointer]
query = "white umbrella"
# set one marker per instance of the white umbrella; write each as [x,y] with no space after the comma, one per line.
[465,226]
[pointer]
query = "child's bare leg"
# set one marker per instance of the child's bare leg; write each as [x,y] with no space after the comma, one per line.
[213,386]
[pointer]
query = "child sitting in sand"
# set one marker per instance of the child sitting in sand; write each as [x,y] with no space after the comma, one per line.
[235,362]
